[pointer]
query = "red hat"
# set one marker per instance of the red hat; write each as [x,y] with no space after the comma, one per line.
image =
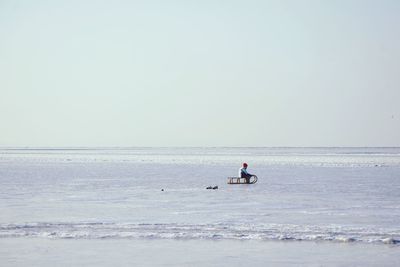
[244,164]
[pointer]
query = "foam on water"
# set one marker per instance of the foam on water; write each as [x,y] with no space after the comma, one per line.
[200,231]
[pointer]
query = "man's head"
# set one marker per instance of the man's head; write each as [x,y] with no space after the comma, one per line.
[244,165]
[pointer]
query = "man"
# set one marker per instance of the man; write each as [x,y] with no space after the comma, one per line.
[244,174]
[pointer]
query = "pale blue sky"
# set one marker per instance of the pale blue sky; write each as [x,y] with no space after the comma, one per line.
[199,73]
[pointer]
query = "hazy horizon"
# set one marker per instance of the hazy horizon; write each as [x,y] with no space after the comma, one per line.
[184,147]
[200,74]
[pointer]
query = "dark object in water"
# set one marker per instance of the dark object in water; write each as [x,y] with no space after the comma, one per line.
[162,189]
[212,187]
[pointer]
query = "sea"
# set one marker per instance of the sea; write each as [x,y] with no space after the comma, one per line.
[323,195]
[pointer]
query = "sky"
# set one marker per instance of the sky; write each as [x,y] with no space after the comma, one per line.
[199,73]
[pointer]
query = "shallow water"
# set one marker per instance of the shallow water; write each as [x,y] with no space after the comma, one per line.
[45,252]
[330,194]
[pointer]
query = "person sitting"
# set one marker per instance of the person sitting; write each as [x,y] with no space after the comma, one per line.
[244,174]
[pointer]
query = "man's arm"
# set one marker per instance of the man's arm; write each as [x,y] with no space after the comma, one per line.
[245,172]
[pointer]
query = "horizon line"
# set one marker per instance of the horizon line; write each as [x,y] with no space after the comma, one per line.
[166,147]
